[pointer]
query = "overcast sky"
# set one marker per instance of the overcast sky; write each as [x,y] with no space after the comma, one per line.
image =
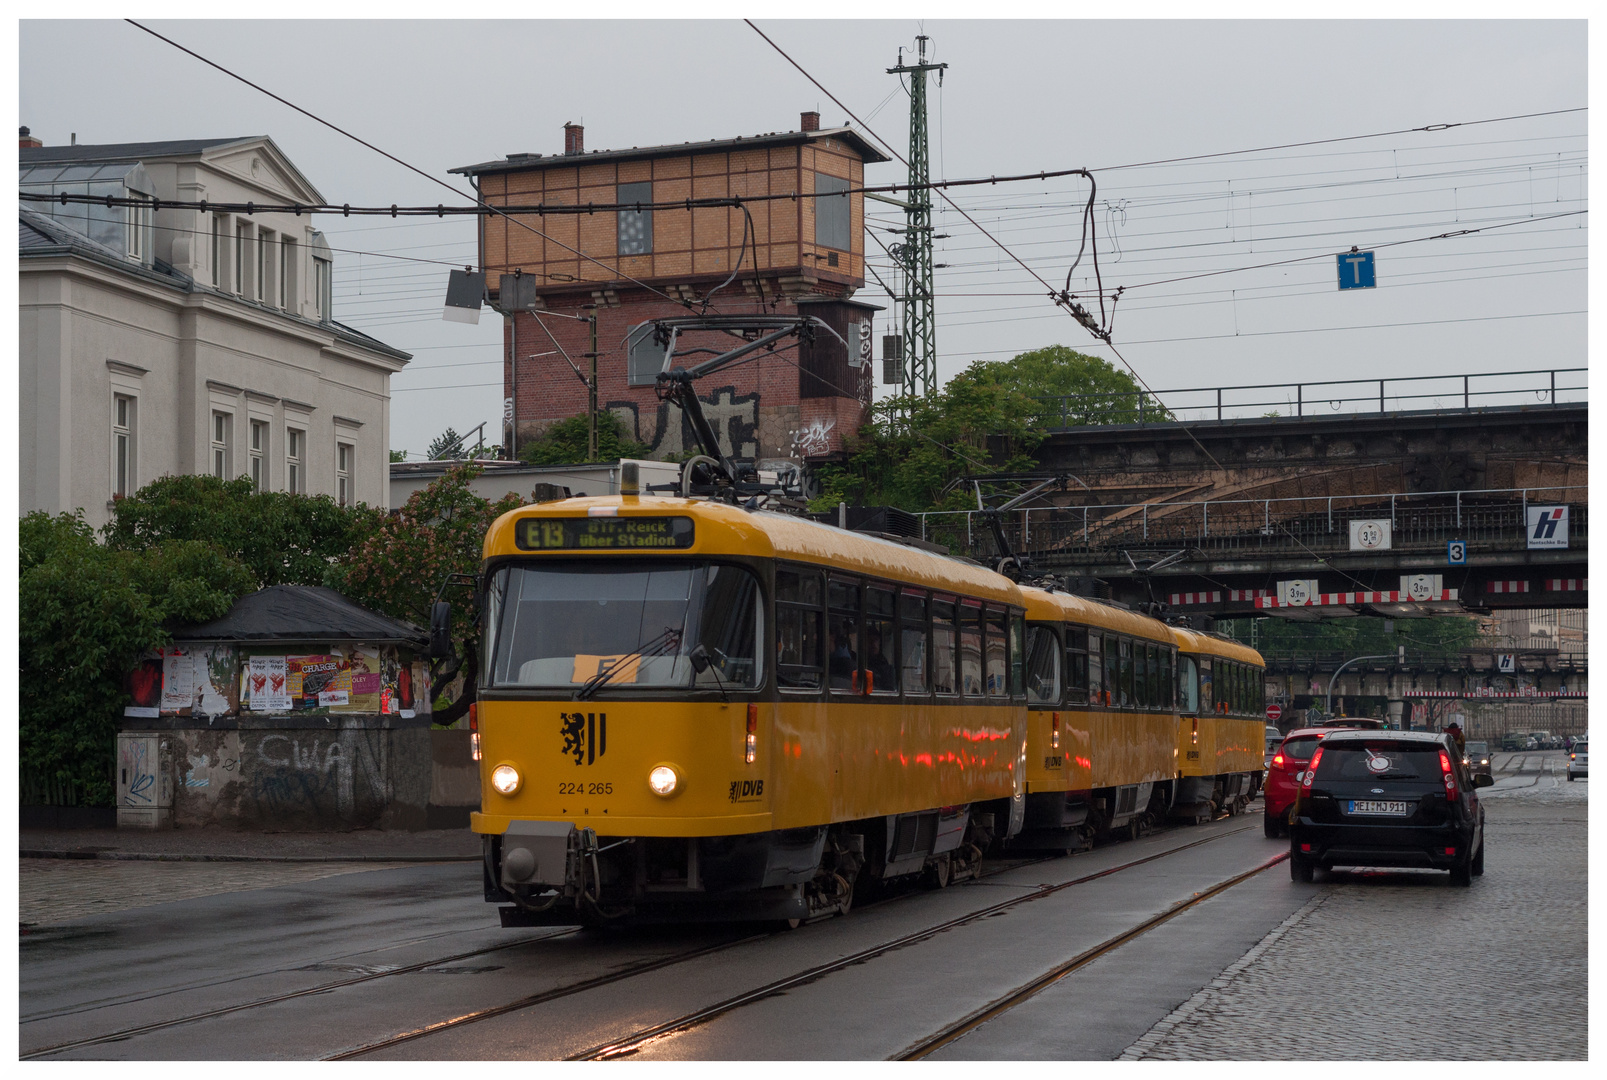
[1018,96]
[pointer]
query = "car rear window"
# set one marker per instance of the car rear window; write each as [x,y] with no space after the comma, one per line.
[1300,748]
[1581,748]
[1378,761]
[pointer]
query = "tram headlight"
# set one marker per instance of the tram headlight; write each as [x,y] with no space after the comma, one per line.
[505,778]
[663,780]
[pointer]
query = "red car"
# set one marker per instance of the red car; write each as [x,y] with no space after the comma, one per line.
[1283,776]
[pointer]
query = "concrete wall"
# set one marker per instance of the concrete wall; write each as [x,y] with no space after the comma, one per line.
[315,773]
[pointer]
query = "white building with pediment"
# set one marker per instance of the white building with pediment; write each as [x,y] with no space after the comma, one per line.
[185,341]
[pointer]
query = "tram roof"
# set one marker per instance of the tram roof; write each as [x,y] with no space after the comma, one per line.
[1043,605]
[1191,641]
[721,529]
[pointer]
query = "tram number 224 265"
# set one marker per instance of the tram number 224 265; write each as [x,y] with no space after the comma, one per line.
[585,789]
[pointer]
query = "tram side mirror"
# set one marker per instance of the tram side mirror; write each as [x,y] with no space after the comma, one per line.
[700,659]
[441,630]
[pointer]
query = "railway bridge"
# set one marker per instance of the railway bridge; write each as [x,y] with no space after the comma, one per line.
[1397,497]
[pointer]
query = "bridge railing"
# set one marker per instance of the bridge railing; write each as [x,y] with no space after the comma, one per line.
[1542,386]
[1486,518]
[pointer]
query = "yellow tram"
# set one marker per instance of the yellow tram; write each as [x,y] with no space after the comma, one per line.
[1221,725]
[688,711]
[1102,744]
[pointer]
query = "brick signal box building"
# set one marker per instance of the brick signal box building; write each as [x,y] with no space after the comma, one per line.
[790,256]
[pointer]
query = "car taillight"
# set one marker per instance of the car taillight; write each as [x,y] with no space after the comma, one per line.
[1449,776]
[474,731]
[1277,761]
[1311,769]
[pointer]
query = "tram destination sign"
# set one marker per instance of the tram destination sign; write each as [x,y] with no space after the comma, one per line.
[604,534]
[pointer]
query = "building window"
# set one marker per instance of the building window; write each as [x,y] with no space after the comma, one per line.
[287,273]
[259,451]
[646,355]
[221,422]
[264,266]
[832,217]
[139,227]
[322,286]
[636,226]
[217,250]
[242,237]
[122,446]
[343,473]
[294,440]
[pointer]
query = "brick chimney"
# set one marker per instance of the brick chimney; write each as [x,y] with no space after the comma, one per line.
[574,139]
[26,140]
[810,121]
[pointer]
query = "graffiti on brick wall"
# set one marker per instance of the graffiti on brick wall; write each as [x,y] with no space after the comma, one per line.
[813,438]
[734,418]
[324,773]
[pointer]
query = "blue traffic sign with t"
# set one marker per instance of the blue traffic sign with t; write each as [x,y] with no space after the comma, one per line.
[1356,270]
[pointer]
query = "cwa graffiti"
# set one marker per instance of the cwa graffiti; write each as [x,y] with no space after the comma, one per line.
[323,774]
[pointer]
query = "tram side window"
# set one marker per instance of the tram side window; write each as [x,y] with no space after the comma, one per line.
[1043,666]
[1188,686]
[1076,665]
[998,653]
[842,602]
[1207,690]
[1260,678]
[1096,669]
[1018,655]
[1237,697]
[732,640]
[1167,682]
[1125,687]
[1152,675]
[912,640]
[881,677]
[971,647]
[1113,671]
[798,621]
[945,645]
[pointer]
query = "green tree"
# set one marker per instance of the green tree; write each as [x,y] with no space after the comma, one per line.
[990,417]
[398,455]
[447,446]
[284,539]
[399,567]
[87,614]
[565,442]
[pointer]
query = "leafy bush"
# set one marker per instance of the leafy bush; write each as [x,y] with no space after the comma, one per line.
[565,442]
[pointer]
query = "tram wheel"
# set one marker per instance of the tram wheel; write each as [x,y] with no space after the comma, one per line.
[937,874]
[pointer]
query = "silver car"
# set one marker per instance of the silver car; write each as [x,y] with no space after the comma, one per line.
[1578,760]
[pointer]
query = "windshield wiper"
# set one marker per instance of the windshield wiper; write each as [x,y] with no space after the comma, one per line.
[668,641]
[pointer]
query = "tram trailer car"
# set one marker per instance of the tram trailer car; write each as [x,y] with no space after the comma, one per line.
[1102,749]
[1221,725]
[688,711]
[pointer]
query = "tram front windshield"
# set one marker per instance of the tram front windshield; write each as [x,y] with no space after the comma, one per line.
[562,624]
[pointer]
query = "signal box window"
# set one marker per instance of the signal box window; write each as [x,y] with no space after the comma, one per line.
[912,640]
[798,629]
[636,226]
[843,624]
[832,214]
[945,644]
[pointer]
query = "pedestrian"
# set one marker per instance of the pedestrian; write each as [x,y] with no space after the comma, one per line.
[1454,730]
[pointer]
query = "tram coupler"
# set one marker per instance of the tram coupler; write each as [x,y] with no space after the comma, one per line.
[544,856]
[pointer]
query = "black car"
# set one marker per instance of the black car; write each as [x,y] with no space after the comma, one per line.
[1388,798]
[1476,756]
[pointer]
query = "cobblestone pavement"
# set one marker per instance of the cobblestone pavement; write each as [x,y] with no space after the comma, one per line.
[1499,969]
[56,891]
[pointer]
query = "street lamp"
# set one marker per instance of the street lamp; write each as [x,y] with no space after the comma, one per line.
[1328,702]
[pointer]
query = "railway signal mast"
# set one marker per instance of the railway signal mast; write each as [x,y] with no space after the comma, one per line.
[914,254]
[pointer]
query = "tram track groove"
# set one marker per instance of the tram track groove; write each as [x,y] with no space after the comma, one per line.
[257,1003]
[637,1042]
[960,1028]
